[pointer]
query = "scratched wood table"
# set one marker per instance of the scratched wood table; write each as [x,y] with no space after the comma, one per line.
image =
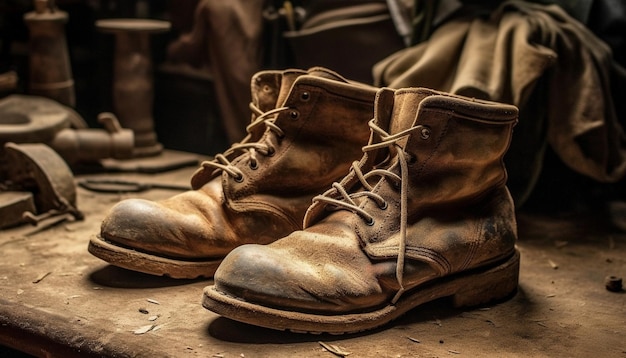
[58,300]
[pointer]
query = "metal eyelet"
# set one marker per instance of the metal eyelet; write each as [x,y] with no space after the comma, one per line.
[238,178]
[383,206]
[305,96]
[370,222]
[254,165]
[425,133]
[293,114]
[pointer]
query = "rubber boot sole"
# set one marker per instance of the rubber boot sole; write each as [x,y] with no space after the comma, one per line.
[151,264]
[466,289]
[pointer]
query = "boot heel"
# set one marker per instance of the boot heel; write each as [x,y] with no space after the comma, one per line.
[492,285]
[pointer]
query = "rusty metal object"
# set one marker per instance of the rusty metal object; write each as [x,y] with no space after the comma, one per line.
[133,89]
[111,185]
[89,145]
[12,205]
[38,169]
[30,119]
[613,283]
[34,119]
[49,63]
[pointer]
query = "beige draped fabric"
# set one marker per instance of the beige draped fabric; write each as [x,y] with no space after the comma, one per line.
[543,61]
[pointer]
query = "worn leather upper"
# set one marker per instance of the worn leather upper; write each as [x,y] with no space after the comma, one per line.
[261,187]
[427,200]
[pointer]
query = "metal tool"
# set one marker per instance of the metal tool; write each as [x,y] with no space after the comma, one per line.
[38,169]
[133,89]
[49,62]
[125,186]
[35,119]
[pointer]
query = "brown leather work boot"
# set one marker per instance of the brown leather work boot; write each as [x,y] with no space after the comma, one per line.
[307,128]
[425,214]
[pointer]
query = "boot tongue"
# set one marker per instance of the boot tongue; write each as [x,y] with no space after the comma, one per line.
[326,73]
[288,78]
[406,107]
[395,111]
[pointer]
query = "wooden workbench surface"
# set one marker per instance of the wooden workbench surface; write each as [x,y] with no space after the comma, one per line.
[58,300]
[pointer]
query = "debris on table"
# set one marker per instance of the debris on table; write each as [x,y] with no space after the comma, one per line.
[613,283]
[339,351]
[144,329]
[41,277]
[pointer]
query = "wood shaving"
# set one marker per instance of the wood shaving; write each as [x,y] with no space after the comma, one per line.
[553,264]
[41,277]
[339,351]
[153,301]
[144,329]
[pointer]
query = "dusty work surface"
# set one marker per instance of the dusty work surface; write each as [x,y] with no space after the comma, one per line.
[58,300]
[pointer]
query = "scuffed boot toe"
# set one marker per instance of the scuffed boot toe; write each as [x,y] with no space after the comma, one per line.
[148,237]
[149,227]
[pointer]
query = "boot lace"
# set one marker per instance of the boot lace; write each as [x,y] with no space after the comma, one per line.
[348,201]
[265,147]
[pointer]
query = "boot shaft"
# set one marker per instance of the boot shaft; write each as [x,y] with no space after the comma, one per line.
[454,208]
[453,148]
[431,184]
[317,126]
[323,126]
[456,152]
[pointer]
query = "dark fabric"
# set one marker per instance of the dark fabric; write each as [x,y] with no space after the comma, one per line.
[232,40]
[343,38]
[226,42]
[537,57]
[607,19]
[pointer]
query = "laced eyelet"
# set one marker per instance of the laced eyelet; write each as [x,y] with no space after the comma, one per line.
[238,178]
[293,114]
[411,159]
[370,222]
[425,133]
[383,206]
[305,96]
[271,151]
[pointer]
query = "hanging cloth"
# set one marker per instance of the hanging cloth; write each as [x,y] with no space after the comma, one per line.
[557,72]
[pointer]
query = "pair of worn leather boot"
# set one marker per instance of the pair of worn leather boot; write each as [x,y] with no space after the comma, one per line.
[307,237]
